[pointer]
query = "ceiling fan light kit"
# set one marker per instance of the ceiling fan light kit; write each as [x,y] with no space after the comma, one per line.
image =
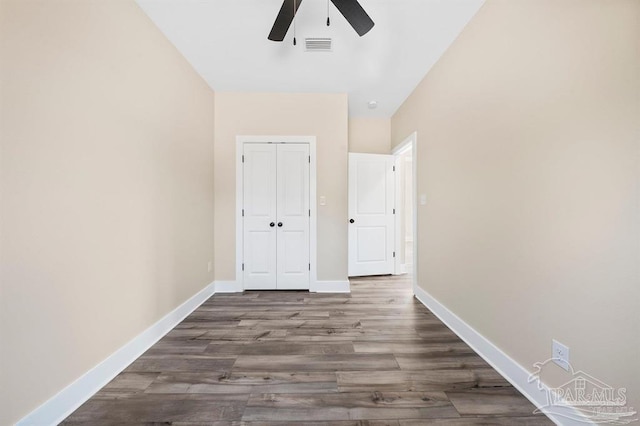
[350,9]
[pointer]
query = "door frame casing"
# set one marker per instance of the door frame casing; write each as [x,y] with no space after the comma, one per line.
[313,220]
[411,142]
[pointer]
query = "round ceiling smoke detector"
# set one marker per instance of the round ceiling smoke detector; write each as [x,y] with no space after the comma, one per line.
[373,104]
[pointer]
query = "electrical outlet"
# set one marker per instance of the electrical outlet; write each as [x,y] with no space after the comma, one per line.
[560,354]
[209,266]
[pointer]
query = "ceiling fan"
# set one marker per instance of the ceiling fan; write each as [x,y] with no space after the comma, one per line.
[350,9]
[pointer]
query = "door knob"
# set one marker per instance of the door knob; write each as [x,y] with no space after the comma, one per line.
[272,224]
[351,221]
[279,224]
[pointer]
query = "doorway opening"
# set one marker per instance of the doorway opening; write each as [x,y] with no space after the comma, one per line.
[406,207]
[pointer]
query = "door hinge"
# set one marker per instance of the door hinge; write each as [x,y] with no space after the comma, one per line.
[243,158]
[309,266]
[309,159]
[242,212]
[243,266]
[394,168]
[394,211]
[394,254]
[309,212]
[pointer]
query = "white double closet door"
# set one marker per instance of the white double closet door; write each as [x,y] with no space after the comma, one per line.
[276,216]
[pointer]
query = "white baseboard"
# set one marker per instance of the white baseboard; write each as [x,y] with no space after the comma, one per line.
[314,287]
[228,287]
[515,373]
[330,287]
[65,402]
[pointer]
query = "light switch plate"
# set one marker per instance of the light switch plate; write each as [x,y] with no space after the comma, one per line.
[560,354]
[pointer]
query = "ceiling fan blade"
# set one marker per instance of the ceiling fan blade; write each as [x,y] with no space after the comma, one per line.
[355,15]
[283,20]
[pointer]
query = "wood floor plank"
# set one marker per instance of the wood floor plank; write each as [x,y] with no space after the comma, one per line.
[277,348]
[324,300]
[400,323]
[160,363]
[434,349]
[418,381]
[131,382]
[204,323]
[538,420]
[184,333]
[350,334]
[348,406]
[245,383]
[239,334]
[494,401]
[301,323]
[178,346]
[330,362]
[213,314]
[426,362]
[352,400]
[271,324]
[296,423]
[162,408]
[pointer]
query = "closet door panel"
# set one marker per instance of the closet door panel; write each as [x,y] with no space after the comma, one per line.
[293,216]
[260,212]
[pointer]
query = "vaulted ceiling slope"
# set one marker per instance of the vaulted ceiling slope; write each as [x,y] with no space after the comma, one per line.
[226,42]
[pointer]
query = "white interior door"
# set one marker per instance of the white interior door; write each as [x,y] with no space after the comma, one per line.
[293,216]
[260,214]
[276,229]
[371,214]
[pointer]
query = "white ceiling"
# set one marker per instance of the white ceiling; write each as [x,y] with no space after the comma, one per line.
[226,42]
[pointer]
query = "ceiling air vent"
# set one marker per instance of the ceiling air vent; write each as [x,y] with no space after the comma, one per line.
[317,44]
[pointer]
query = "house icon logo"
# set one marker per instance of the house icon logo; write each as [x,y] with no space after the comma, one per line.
[589,399]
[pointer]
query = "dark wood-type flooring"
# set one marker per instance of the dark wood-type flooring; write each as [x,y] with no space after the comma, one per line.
[376,356]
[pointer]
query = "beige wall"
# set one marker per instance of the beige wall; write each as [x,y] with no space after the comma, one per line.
[529,158]
[106,181]
[370,135]
[320,115]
